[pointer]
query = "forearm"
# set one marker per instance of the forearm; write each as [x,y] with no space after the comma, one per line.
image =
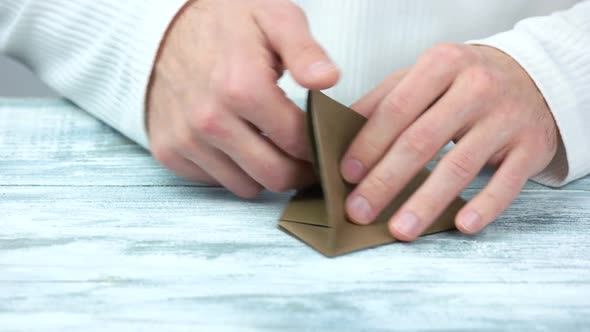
[555,51]
[98,54]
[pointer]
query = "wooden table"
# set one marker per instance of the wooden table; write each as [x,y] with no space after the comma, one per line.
[95,236]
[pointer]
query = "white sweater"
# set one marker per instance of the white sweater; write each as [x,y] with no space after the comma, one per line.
[99,53]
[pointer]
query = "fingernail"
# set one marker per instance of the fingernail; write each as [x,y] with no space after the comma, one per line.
[471,221]
[321,68]
[408,224]
[353,170]
[359,210]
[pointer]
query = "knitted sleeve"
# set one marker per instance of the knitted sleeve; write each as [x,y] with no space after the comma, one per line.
[97,53]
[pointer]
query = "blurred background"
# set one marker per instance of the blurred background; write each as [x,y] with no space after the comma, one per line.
[18,81]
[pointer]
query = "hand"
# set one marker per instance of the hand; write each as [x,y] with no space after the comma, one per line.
[475,95]
[216,114]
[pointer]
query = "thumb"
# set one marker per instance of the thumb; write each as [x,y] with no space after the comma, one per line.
[285,26]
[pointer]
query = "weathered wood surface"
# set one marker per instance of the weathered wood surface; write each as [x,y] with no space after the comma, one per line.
[95,236]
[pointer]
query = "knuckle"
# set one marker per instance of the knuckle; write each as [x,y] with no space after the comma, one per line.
[381,182]
[184,142]
[273,173]
[504,118]
[289,138]
[293,145]
[369,149]
[494,201]
[200,176]
[233,90]
[450,53]
[289,11]
[278,186]
[163,154]
[419,141]
[237,94]
[309,49]
[208,123]
[246,191]
[430,203]
[396,105]
[482,81]
[277,180]
[512,183]
[461,165]
[502,115]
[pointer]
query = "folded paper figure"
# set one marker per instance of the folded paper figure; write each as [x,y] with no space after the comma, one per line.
[316,215]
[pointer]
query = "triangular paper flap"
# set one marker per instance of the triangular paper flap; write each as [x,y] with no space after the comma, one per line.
[333,126]
[307,206]
[333,242]
[350,237]
[320,220]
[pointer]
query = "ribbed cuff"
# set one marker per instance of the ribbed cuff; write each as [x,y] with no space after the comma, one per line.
[568,164]
[147,36]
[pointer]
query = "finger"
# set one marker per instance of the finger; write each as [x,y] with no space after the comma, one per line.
[369,103]
[223,169]
[246,85]
[285,26]
[412,150]
[213,161]
[180,166]
[280,120]
[260,159]
[500,192]
[432,75]
[453,173]
[189,170]
[165,153]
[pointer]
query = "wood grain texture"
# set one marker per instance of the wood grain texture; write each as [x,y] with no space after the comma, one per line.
[51,142]
[95,236]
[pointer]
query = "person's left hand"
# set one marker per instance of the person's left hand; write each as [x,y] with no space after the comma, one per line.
[477,96]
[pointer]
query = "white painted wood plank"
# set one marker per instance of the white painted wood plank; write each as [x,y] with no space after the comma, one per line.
[136,258]
[94,236]
[51,142]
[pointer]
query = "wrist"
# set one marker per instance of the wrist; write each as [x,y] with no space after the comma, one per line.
[164,44]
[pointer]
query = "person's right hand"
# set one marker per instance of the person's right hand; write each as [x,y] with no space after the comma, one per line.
[215,112]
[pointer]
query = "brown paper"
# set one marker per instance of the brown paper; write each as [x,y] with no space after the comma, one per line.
[317,216]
